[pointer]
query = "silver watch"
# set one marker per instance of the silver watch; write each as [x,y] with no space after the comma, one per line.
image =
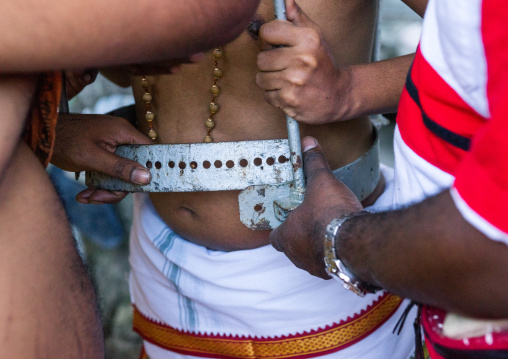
[334,267]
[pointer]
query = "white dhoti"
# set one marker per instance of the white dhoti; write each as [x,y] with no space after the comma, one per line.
[193,302]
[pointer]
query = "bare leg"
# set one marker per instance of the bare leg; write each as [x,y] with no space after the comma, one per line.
[47,302]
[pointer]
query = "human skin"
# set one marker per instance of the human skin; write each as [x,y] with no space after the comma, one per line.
[47,299]
[77,34]
[344,39]
[49,308]
[48,302]
[302,77]
[181,100]
[427,252]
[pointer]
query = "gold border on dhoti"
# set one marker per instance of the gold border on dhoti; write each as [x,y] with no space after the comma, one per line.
[299,346]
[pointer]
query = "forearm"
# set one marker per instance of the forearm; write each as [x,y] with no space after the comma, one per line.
[429,253]
[78,34]
[376,87]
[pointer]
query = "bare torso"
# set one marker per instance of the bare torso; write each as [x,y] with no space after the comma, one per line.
[180,102]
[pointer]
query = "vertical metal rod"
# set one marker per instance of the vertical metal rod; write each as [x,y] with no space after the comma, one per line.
[295,147]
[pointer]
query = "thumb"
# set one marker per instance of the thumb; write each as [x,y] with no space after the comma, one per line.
[119,167]
[296,15]
[314,161]
[123,168]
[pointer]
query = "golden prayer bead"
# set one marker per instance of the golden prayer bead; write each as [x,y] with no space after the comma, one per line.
[147,97]
[149,116]
[210,123]
[217,72]
[214,108]
[152,134]
[215,90]
[217,53]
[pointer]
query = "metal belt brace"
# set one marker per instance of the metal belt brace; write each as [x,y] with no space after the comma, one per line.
[261,169]
[285,196]
[269,172]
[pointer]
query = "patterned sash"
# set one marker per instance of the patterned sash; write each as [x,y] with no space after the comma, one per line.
[306,345]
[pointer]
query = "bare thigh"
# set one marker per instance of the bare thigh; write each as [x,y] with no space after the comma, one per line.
[47,302]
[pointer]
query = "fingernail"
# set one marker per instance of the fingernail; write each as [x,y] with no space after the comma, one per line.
[140,176]
[308,143]
[86,193]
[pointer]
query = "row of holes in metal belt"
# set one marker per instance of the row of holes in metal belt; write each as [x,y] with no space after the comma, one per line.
[218,164]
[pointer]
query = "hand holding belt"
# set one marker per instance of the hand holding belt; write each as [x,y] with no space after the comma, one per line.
[260,168]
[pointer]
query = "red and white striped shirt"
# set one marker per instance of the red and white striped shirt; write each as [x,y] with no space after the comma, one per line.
[452,124]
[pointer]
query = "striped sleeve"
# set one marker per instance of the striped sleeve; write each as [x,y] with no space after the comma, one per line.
[480,189]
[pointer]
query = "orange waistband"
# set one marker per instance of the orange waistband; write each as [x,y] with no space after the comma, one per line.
[299,346]
[40,126]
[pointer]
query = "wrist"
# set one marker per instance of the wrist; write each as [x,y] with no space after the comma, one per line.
[335,268]
[345,100]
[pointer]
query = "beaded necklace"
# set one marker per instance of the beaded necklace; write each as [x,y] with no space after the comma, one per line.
[213,107]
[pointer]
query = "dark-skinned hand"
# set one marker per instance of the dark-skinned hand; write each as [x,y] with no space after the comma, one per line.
[88,143]
[298,67]
[301,235]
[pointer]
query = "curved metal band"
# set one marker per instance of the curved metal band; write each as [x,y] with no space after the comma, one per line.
[223,166]
[194,167]
[362,175]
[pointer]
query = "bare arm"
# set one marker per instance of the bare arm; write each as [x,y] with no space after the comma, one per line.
[376,88]
[304,69]
[429,253]
[77,34]
[426,252]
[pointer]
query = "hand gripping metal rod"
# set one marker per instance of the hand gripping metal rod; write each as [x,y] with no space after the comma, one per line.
[295,147]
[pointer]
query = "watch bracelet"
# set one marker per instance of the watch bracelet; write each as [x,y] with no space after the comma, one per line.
[334,266]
